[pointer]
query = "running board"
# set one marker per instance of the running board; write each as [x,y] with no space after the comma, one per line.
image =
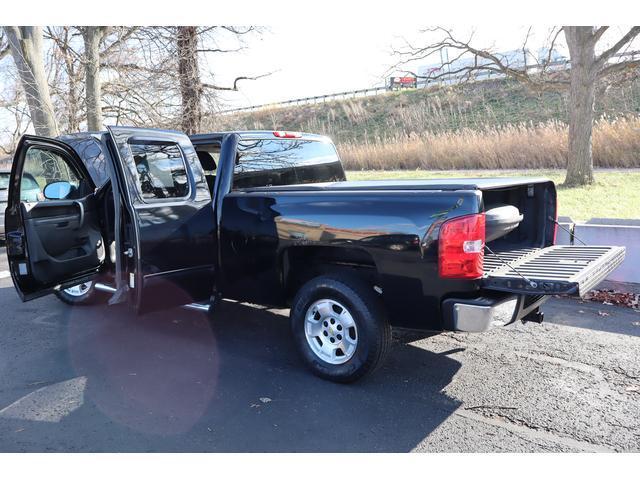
[101,287]
[200,307]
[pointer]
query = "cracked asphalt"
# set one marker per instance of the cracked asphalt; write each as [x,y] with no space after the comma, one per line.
[100,379]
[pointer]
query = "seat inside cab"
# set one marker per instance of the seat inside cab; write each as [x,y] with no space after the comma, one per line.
[209,156]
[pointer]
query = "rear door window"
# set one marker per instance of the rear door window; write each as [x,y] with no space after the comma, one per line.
[161,170]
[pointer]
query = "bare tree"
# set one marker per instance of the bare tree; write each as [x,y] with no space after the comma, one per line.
[189,77]
[587,68]
[148,76]
[190,42]
[26,49]
[92,37]
[66,76]
[75,62]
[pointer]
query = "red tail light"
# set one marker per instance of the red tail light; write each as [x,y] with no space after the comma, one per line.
[461,247]
[283,134]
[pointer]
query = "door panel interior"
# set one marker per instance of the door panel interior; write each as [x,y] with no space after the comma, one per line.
[63,237]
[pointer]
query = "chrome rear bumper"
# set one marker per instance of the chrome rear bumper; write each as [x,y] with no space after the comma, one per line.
[483,313]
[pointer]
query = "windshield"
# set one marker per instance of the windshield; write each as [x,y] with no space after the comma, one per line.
[4,181]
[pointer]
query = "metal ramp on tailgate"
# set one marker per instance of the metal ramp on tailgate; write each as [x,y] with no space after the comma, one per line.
[556,270]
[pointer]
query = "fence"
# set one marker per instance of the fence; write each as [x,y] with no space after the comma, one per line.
[421,83]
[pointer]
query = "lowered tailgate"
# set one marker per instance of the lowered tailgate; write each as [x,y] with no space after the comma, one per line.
[556,270]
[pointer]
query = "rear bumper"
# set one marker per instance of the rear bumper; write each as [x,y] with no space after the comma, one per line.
[483,313]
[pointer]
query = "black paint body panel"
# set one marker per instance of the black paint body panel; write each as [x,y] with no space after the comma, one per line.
[398,230]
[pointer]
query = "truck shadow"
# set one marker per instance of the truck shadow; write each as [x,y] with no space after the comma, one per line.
[173,381]
[240,383]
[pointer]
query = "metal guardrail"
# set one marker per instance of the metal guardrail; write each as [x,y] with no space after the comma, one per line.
[312,100]
[422,83]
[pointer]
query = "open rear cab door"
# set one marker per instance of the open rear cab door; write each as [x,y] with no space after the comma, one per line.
[53,233]
[172,229]
[555,270]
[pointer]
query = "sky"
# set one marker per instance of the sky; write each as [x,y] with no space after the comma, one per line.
[313,59]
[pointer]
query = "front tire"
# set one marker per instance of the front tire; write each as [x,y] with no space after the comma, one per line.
[340,327]
[82,294]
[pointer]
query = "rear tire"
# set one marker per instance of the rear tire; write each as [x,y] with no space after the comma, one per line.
[340,327]
[82,294]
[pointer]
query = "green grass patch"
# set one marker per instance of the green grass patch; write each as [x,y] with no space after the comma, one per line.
[616,194]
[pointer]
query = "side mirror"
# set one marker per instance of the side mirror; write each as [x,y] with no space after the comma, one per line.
[57,190]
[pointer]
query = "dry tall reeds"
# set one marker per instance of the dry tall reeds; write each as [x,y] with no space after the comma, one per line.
[616,144]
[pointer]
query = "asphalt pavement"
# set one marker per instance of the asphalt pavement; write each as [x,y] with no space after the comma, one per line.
[100,379]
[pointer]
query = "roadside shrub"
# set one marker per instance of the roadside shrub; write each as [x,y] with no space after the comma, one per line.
[616,144]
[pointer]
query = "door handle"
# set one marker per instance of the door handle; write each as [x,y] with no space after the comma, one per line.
[81,207]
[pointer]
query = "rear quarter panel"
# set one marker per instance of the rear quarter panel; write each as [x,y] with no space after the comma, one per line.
[399,229]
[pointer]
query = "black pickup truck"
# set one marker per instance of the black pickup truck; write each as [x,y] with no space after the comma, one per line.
[159,219]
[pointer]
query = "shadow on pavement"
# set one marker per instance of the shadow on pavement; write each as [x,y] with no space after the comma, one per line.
[173,381]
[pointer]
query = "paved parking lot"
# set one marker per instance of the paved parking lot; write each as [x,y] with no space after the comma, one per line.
[100,379]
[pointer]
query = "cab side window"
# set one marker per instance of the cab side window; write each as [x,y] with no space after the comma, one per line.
[161,170]
[44,167]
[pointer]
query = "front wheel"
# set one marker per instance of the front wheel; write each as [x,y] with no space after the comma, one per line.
[340,327]
[81,294]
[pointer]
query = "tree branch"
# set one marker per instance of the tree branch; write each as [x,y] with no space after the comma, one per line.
[607,54]
[219,50]
[598,34]
[618,68]
[5,48]
[234,88]
[119,41]
[481,60]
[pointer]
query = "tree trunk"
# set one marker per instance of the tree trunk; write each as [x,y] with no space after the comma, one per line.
[26,49]
[73,97]
[92,37]
[73,124]
[190,83]
[581,105]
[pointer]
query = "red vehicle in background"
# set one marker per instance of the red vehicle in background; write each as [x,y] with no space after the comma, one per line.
[396,83]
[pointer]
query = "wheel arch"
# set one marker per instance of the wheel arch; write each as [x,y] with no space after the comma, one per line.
[299,264]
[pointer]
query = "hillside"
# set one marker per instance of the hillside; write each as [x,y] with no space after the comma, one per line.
[482,106]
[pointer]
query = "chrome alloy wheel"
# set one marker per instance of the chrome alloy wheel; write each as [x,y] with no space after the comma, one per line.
[331,331]
[78,290]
